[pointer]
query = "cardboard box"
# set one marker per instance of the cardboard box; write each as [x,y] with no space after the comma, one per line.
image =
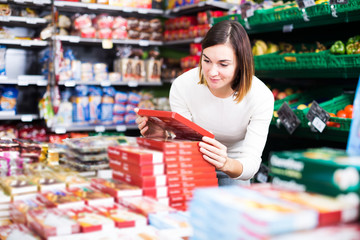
[135,169]
[92,196]
[141,181]
[134,155]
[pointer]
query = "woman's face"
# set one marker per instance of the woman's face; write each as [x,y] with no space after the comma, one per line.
[218,66]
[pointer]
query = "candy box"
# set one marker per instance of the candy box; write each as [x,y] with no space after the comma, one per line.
[60,199]
[89,219]
[19,209]
[17,231]
[91,195]
[18,185]
[116,188]
[123,217]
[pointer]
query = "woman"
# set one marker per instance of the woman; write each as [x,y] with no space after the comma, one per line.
[224,97]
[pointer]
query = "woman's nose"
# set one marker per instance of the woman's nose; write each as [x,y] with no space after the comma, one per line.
[213,70]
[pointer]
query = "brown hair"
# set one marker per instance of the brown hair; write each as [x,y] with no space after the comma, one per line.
[230,31]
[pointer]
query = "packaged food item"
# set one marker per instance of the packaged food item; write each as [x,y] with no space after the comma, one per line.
[81,104]
[90,144]
[95,95]
[52,222]
[82,21]
[119,23]
[59,199]
[14,185]
[104,33]
[116,188]
[114,77]
[8,99]
[103,21]
[119,33]
[153,70]
[92,196]
[20,208]
[2,60]
[17,231]
[107,105]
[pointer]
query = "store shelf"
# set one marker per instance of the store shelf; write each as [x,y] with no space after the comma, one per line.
[95,41]
[72,83]
[24,43]
[78,6]
[92,128]
[329,134]
[309,73]
[23,21]
[184,41]
[11,115]
[201,6]
[30,2]
[24,80]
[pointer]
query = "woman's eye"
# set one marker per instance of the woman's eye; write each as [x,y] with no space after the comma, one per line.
[224,65]
[205,60]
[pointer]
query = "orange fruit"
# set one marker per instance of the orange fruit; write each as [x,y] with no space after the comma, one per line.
[341,114]
[349,110]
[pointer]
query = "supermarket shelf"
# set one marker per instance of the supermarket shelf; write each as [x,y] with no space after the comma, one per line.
[24,43]
[30,2]
[329,134]
[72,83]
[24,80]
[11,115]
[309,73]
[27,21]
[76,39]
[78,6]
[184,41]
[92,128]
[201,6]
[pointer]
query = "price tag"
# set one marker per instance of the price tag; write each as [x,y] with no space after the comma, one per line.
[317,116]
[39,2]
[70,83]
[20,1]
[120,128]
[126,9]
[107,44]
[288,28]
[288,118]
[133,84]
[144,43]
[31,20]
[305,3]
[60,130]
[339,2]
[198,40]
[26,43]
[4,18]
[99,129]
[26,118]
[74,39]
[93,6]
[143,11]
[245,8]
[105,83]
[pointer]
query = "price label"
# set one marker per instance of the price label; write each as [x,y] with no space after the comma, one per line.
[107,44]
[288,28]
[26,118]
[198,40]
[120,128]
[74,39]
[60,130]
[105,83]
[20,1]
[246,8]
[100,129]
[26,43]
[143,11]
[23,82]
[70,83]
[305,3]
[333,2]
[31,20]
[39,2]
[288,118]
[93,6]
[4,18]
[133,84]
[144,43]
[317,116]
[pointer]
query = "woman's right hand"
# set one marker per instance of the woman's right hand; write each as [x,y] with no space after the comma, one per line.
[148,129]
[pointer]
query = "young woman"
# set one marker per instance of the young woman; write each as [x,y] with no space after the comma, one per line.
[223,96]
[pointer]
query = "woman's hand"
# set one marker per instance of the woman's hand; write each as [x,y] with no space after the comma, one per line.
[214,152]
[148,129]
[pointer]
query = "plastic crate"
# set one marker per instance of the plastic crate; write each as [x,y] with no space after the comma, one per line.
[271,61]
[333,106]
[344,61]
[236,17]
[306,60]
[318,10]
[352,5]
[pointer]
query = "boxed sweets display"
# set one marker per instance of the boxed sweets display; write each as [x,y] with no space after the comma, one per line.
[20,208]
[331,210]
[59,199]
[17,231]
[52,222]
[123,217]
[116,188]
[92,196]
[245,214]
[332,169]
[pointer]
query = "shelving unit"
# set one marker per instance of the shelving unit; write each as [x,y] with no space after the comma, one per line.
[201,6]
[92,128]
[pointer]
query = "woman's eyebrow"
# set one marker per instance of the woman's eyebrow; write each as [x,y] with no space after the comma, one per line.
[222,60]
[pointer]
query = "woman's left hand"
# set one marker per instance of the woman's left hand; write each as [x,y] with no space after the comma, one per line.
[214,152]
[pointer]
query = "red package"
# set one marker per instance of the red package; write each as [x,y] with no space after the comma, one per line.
[194,31]
[82,21]
[203,29]
[119,22]
[89,32]
[187,21]
[195,49]
[104,33]
[103,21]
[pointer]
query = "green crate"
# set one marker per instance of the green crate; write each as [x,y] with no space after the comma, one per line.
[318,10]
[236,17]
[292,13]
[333,106]
[306,98]
[344,61]
[306,60]
[353,5]
[271,61]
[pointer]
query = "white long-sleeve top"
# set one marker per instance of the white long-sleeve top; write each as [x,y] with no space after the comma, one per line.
[242,127]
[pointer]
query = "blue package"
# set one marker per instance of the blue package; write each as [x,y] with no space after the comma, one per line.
[8,99]
[81,104]
[95,104]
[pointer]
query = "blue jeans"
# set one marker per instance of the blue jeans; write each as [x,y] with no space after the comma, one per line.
[225,180]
